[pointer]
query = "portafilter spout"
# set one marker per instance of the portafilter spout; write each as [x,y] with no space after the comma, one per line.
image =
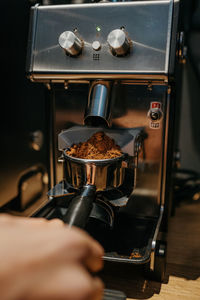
[97,112]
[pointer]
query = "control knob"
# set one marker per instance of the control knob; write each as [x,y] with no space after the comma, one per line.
[118,42]
[71,43]
[155,114]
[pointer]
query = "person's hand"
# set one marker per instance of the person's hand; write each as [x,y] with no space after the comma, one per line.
[46,260]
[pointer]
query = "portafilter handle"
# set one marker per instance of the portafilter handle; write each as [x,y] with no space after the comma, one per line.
[80,207]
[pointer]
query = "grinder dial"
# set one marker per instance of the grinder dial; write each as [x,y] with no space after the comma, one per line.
[118,42]
[71,43]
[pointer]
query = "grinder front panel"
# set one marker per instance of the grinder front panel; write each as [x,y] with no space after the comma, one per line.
[105,38]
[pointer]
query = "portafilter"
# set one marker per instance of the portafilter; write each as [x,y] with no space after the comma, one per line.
[90,176]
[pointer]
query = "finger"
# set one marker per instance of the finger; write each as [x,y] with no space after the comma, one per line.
[22,220]
[86,250]
[93,264]
[98,288]
[86,239]
[7,218]
[56,223]
[36,221]
[71,282]
[71,244]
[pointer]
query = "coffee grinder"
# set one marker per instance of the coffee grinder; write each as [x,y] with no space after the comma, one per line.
[111,67]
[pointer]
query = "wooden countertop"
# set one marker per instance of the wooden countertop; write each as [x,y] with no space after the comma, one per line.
[183,263]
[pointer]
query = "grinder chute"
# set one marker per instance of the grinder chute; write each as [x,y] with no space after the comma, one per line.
[97,112]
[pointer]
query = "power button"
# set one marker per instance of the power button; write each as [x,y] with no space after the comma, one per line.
[96,45]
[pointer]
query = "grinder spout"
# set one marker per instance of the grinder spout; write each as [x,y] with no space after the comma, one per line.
[97,112]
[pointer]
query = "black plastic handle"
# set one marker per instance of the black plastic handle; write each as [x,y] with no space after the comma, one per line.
[80,207]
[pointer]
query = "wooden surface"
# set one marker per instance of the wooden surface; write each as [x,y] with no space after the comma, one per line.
[183,263]
[183,255]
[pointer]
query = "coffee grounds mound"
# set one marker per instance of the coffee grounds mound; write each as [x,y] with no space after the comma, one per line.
[98,146]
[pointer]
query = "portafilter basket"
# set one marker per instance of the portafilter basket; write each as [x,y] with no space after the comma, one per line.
[90,176]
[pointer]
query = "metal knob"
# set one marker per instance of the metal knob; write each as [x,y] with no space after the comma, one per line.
[155,114]
[71,43]
[118,42]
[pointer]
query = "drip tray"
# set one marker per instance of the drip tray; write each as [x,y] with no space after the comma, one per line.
[129,241]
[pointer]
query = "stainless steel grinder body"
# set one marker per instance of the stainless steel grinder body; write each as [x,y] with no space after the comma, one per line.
[133,45]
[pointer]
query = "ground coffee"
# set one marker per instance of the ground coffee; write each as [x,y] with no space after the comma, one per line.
[98,146]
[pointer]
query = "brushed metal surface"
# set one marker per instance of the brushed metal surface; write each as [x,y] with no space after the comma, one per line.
[98,107]
[131,104]
[104,174]
[118,42]
[147,23]
[132,112]
[70,43]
